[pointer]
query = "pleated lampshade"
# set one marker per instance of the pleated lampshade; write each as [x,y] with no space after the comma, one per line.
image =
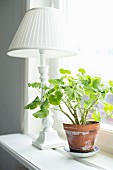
[41,29]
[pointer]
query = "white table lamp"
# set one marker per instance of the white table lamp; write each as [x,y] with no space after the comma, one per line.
[42,34]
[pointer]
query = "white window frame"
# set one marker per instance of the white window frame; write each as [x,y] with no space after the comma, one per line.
[105,137]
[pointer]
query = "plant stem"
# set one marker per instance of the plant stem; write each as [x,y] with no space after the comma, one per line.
[69,108]
[74,110]
[84,116]
[76,117]
[66,114]
[55,109]
[38,90]
[75,113]
[88,109]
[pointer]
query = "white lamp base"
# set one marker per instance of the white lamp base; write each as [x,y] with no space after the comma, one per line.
[48,140]
[48,137]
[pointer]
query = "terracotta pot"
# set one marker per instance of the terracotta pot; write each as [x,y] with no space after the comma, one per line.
[81,138]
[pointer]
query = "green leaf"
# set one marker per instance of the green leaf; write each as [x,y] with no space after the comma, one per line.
[34,104]
[81,70]
[34,85]
[93,96]
[45,105]
[111,90]
[96,116]
[63,71]
[50,91]
[45,87]
[31,106]
[56,87]
[41,114]
[58,95]
[108,107]
[96,83]
[37,100]
[85,82]
[111,83]
[55,81]
[69,92]
[55,98]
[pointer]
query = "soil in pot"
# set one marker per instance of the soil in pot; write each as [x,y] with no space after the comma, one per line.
[82,138]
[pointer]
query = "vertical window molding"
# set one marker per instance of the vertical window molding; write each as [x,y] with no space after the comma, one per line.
[62,5]
[27,5]
[25,116]
[40,3]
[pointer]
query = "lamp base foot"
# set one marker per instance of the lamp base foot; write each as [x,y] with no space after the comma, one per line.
[48,140]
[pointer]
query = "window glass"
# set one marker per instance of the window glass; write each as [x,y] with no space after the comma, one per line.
[90,24]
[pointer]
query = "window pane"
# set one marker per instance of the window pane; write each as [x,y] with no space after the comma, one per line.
[90,24]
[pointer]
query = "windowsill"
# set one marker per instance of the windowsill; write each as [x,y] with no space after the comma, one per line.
[101,160]
[106,127]
[20,147]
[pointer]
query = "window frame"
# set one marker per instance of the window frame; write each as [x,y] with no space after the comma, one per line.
[105,136]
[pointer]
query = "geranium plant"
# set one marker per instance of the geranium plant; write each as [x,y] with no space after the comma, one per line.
[79,94]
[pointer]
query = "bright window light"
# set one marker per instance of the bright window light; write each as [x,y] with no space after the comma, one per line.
[90,22]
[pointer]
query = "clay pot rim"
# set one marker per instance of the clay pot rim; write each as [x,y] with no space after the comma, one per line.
[88,127]
[89,123]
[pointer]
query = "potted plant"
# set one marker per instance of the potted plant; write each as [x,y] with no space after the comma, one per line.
[80,94]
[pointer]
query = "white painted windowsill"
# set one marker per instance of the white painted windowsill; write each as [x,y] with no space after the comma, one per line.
[20,147]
